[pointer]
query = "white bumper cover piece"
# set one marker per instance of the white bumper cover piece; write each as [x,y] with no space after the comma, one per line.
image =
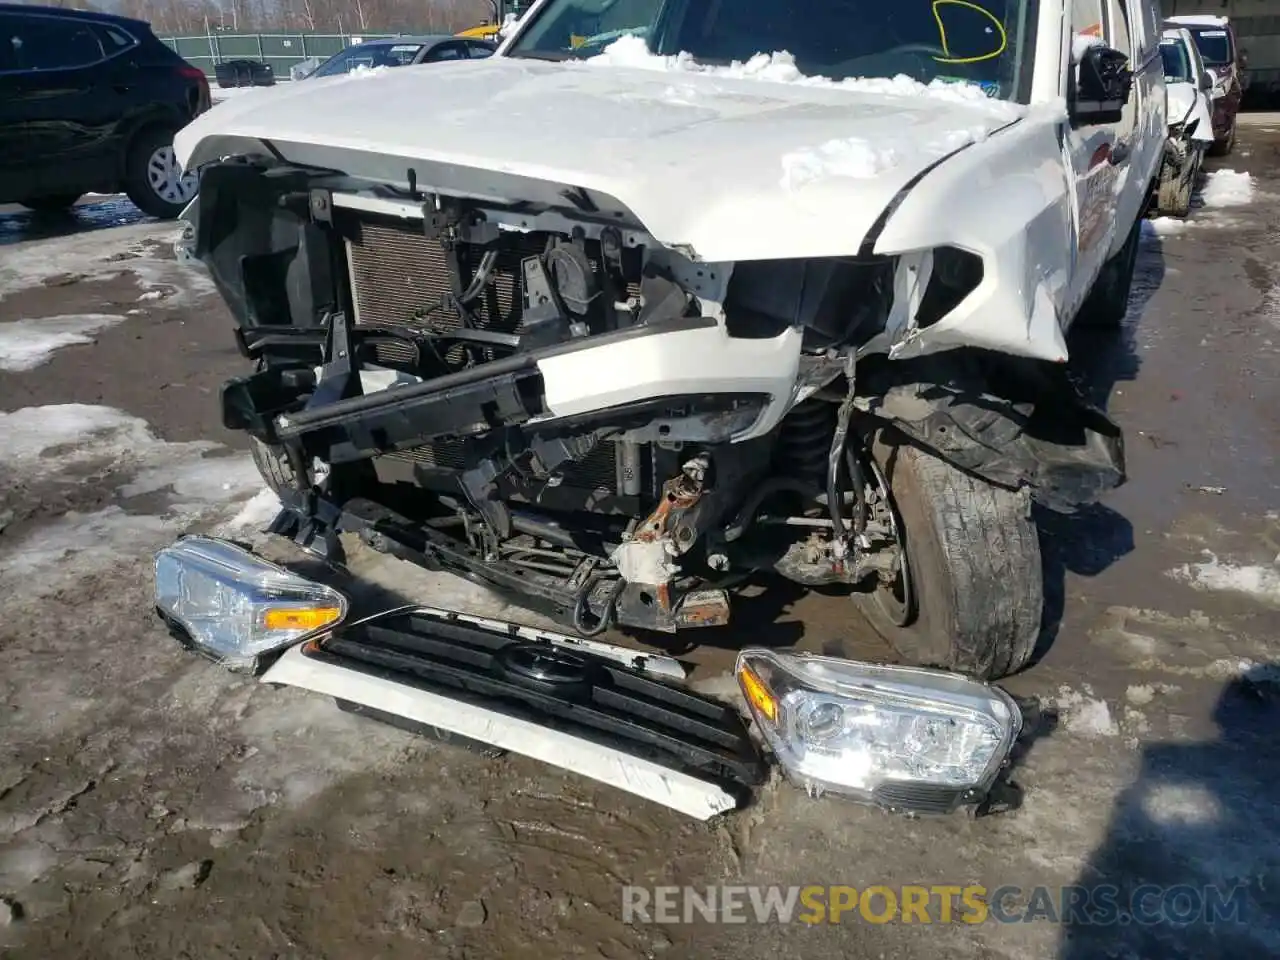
[689,795]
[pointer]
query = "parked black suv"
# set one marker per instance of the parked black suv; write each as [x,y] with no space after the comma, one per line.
[89,103]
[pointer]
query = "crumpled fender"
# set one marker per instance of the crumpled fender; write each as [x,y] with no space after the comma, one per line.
[1008,200]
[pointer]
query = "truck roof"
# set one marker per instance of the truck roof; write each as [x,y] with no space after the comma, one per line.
[1198,20]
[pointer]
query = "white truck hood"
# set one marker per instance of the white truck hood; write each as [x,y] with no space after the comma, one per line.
[720,167]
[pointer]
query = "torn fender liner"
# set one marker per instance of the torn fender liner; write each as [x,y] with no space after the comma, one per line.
[619,724]
[1065,450]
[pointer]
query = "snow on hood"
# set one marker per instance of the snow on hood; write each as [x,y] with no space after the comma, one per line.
[749,161]
[780,67]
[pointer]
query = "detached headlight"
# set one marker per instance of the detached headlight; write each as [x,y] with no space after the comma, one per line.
[236,607]
[900,737]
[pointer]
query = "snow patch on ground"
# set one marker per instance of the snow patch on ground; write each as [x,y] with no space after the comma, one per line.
[1227,188]
[67,433]
[780,67]
[142,249]
[77,545]
[194,485]
[257,512]
[1165,226]
[1084,715]
[1256,580]
[26,344]
[1142,694]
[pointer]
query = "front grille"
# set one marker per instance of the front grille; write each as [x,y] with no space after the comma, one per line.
[398,275]
[593,697]
[597,471]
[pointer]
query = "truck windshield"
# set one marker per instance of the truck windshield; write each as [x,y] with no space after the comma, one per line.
[1214,46]
[986,42]
[1177,65]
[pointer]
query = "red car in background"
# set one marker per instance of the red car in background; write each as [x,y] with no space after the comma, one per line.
[1216,41]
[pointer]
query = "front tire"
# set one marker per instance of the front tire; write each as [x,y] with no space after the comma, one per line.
[971,596]
[152,178]
[273,464]
[1174,192]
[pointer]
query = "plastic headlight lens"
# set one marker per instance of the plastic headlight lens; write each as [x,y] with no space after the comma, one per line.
[235,606]
[896,736]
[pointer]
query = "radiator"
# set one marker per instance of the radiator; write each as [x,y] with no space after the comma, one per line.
[397,274]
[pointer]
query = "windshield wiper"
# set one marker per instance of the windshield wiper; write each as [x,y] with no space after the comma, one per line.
[555,56]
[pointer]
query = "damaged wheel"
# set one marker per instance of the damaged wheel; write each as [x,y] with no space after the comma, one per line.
[969,593]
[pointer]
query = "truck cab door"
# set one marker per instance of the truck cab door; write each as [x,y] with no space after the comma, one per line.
[1145,125]
[1097,157]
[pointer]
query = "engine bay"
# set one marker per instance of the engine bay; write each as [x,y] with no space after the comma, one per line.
[545,397]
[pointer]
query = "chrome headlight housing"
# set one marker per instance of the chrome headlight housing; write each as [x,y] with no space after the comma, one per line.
[899,737]
[236,607]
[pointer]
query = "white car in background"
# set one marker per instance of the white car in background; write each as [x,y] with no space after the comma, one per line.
[1188,85]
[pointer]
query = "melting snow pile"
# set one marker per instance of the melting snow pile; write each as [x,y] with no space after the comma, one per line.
[26,344]
[139,249]
[1255,580]
[59,443]
[1227,188]
[257,512]
[1084,715]
[780,67]
[1166,226]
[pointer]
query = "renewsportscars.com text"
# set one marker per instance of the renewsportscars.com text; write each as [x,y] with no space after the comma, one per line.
[1098,905]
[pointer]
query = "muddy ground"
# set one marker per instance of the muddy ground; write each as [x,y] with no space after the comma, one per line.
[155,806]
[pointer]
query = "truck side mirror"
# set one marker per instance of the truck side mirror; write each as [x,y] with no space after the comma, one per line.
[1103,84]
[1206,81]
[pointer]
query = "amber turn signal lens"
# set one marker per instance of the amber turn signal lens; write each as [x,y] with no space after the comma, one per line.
[300,618]
[759,695]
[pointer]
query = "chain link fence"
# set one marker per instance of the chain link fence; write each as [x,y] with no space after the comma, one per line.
[280,50]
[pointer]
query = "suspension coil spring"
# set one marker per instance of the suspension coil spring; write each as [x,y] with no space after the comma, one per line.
[804,439]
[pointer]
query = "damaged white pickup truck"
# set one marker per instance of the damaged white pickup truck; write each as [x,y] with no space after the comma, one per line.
[631,312]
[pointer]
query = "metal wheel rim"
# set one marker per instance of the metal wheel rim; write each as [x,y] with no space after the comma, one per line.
[899,611]
[166,178]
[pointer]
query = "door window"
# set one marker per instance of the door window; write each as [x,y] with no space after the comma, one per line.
[478,51]
[49,43]
[446,51]
[114,40]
